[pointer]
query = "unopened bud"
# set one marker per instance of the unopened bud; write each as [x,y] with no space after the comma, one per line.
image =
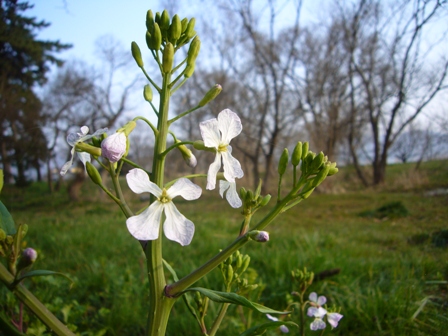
[189,31]
[321,176]
[150,21]
[193,51]
[189,70]
[29,256]
[317,162]
[2,235]
[305,148]
[296,154]
[188,156]
[93,173]
[114,146]
[147,93]
[156,38]
[283,162]
[265,200]
[184,23]
[229,273]
[168,57]
[246,262]
[333,170]
[164,20]
[261,237]
[243,193]
[210,95]
[137,54]
[175,29]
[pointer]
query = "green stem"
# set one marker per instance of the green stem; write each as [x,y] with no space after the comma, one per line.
[177,144]
[183,114]
[149,124]
[34,304]
[219,319]
[122,204]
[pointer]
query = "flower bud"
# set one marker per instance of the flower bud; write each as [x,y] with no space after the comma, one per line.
[184,24]
[189,31]
[283,162]
[239,260]
[29,256]
[229,273]
[147,93]
[189,70]
[296,154]
[246,262]
[261,237]
[193,51]
[128,128]
[93,173]
[175,29]
[164,20]
[305,148]
[114,147]
[168,57]
[210,95]
[137,54]
[243,193]
[333,170]
[317,162]
[156,38]
[150,21]
[321,176]
[2,235]
[265,200]
[188,156]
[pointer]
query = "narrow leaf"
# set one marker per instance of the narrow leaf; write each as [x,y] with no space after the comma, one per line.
[6,221]
[223,297]
[262,328]
[1,180]
[40,273]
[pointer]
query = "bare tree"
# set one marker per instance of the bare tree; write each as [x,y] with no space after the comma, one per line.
[390,81]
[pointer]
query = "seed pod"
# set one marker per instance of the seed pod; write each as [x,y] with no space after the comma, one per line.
[210,95]
[175,29]
[150,21]
[193,51]
[296,154]
[168,58]
[137,54]
[147,93]
[283,162]
[156,38]
[93,173]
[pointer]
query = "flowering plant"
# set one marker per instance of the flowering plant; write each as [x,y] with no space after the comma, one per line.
[165,39]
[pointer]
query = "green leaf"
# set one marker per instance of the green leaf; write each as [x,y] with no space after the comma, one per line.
[223,297]
[6,221]
[40,273]
[262,328]
[171,270]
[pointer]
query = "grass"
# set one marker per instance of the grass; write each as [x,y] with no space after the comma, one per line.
[393,269]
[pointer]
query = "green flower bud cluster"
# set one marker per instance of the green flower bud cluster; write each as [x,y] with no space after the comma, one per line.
[201,303]
[303,278]
[11,246]
[233,268]
[252,201]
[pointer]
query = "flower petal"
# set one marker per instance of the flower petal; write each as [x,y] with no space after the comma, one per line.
[185,188]
[321,300]
[177,227]
[272,318]
[229,124]
[145,226]
[212,171]
[139,182]
[311,311]
[72,139]
[68,164]
[114,147]
[84,131]
[231,193]
[284,329]
[313,297]
[84,157]
[333,319]
[210,133]
[317,324]
[232,167]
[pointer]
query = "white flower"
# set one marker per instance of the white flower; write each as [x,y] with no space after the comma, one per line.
[114,146]
[229,188]
[73,139]
[284,329]
[333,319]
[217,134]
[145,226]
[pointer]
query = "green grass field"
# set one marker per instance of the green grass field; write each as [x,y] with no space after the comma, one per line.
[393,266]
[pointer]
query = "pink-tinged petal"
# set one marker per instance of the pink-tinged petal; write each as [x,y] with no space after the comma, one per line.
[284,329]
[212,171]
[185,188]
[84,131]
[114,147]
[321,300]
[145,226]
[177,227]
[317,324]
[139,182]
[231,193]
[72,139]
[210,133]
[84,157]
[311,311]
[313,297]
[232,167]
[333,319]
[229,124]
